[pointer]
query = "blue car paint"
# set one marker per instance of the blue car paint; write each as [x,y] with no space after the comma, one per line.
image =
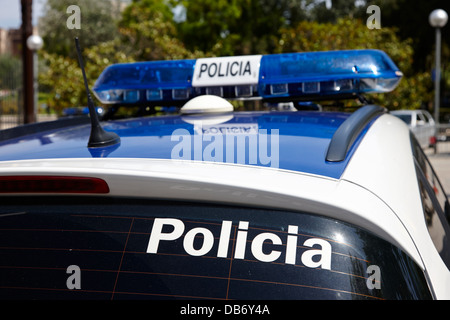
[303,139]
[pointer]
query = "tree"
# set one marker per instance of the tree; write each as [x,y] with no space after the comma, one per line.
[225,27]
[330,11]
[148,28]
[62,77]
[10,72]
[414,89]
[97,25]
[410,18]
[207,22]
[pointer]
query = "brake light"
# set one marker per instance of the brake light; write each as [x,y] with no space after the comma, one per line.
[433,141]
[52,184]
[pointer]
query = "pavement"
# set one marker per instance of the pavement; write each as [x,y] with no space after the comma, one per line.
[441,164]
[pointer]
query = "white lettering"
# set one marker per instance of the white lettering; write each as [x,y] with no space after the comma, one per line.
[257,247]
[263,148]
[73,21]
[197,310]
[324,253]
[74,280]
[208,241]
[214,150]
[291,245]
[374,21]
[243,144]
[157,234]
[224,239]
[200,241]
[238,309]
[241,240]
[183,149]
[374,280]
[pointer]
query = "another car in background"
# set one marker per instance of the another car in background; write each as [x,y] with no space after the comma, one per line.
[421,124]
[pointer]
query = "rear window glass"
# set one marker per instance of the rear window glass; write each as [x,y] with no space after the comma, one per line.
[92,248]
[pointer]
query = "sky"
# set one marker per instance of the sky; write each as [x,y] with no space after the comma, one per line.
[11,15]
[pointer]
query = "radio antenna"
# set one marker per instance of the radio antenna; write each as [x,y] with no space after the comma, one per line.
[99,137]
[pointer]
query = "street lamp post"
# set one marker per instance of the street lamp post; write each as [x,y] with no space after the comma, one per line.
[438,19]
[34,43]
[27,63]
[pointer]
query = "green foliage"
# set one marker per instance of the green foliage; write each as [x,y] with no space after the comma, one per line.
[10,82]
[319,12]
[207,21]
[10,72]
[63,80]
[147,27]
[413,90]
[232,27]
[96,22]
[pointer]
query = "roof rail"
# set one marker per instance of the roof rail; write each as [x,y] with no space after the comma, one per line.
[348,131]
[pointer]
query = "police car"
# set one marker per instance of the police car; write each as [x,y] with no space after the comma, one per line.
[213,203]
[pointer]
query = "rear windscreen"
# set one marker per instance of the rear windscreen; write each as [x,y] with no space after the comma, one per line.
[93,248]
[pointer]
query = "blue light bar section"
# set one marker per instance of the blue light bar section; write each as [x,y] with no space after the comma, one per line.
[308,75]
[327,73]
[130,83]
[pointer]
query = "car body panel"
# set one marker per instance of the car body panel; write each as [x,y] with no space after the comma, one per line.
[389,143]
[299,139]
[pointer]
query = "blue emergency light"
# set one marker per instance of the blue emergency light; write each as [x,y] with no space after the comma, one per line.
[295,76]
[130,83]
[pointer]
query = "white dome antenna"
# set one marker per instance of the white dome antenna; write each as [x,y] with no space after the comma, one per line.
[207,104]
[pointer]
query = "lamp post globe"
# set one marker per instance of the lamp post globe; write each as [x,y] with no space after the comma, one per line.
[34,42]
[438,18]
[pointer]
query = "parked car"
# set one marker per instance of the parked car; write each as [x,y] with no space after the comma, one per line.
[421,124]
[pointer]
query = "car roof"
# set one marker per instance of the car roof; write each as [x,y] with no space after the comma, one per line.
[408,111]
[303,137]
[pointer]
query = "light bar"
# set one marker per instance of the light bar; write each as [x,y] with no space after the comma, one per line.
[293,76]
[327,73]
[131,83]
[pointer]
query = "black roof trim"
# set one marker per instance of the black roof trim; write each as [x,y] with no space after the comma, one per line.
[37,127]
[348,131]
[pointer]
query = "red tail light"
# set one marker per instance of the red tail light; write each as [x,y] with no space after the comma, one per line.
[52,184]
[432,141]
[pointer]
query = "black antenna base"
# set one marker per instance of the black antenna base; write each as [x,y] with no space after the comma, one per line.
[101,138]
